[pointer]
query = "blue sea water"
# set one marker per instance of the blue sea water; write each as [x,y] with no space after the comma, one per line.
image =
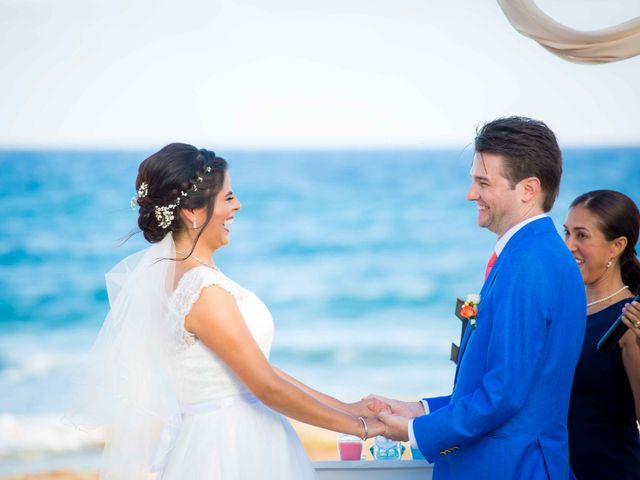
[359,255]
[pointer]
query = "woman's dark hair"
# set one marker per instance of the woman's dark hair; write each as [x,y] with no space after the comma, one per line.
[169,174]
[529,149]
[618,216]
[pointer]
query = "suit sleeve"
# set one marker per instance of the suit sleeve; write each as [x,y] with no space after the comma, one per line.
[517,314]
[436,403]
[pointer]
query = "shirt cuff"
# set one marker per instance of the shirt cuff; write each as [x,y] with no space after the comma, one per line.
[412,437]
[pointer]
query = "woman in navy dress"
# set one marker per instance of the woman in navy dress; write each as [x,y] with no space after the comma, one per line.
[602,232]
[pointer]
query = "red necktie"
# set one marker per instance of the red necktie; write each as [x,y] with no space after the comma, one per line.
[490,264]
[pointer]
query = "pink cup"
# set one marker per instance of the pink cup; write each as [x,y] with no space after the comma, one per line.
[349,447]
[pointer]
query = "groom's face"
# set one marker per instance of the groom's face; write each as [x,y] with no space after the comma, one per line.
[497,200]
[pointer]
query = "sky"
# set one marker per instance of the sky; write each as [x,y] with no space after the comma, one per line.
[299,73]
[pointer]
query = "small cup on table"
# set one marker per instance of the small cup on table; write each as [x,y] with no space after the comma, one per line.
[349,447]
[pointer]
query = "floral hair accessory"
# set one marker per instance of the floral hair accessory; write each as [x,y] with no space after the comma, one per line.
[143,191]
[469,309]
[165,214]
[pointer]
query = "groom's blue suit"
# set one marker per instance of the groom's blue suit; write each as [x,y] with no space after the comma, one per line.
[506,418]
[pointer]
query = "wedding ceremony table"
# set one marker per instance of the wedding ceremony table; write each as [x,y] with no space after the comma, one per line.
[374,470]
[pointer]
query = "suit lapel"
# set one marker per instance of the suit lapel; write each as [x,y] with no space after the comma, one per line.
[536,227]
[486,288]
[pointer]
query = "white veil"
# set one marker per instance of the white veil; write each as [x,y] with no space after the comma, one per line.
[129,388]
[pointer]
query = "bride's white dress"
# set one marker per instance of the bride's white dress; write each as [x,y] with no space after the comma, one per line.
[225,432]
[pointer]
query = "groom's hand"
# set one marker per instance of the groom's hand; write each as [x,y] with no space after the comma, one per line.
[367,408]
[396,426]
[396,407]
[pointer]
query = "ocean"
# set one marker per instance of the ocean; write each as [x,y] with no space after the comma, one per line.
[359,254]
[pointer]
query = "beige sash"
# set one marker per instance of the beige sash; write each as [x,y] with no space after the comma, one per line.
[598,46]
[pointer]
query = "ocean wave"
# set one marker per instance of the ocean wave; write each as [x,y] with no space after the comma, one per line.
[375,336]
[35,366]
[27,356]
[42,434]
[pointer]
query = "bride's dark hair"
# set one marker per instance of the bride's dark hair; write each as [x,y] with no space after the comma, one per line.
[174,170]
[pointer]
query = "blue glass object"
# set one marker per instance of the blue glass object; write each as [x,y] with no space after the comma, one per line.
[417,454]
[386,449]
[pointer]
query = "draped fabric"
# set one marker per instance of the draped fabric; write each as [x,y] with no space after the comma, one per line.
[592,47]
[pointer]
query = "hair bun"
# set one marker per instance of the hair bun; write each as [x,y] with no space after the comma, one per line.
[148,224]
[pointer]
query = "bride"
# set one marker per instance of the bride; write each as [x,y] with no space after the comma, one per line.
[180,375]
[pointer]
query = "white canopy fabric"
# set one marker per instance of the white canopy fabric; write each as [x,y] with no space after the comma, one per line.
[599,46]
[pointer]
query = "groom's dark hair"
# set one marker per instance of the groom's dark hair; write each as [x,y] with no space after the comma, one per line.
[529,149]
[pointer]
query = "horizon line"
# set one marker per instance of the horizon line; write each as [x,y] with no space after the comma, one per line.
[291,147]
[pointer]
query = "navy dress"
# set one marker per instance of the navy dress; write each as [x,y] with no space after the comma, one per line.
[603,435]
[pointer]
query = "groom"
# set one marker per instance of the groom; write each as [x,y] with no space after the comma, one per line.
[506,417]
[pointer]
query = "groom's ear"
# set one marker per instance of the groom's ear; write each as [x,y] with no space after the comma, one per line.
[531,190]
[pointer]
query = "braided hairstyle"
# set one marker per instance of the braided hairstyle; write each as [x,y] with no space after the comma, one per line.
[177,176]
[618,216]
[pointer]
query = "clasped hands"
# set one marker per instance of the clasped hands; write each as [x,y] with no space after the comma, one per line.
[390,418]
[386,416]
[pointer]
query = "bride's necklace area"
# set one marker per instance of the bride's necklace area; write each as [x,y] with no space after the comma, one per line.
[607,297]
[198,259]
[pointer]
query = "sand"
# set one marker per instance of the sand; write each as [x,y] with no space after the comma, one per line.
[57,475]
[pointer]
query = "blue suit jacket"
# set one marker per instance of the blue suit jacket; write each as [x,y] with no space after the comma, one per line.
[506,418]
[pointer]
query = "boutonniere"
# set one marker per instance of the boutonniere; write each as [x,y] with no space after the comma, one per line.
[469,309]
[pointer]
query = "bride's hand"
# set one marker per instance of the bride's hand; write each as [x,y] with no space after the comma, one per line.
[374,426]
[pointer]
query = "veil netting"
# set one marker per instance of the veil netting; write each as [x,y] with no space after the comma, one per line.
[128,386]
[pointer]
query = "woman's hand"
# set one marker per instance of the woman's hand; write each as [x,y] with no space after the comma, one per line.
[630,344]
[631,317]
[374,426]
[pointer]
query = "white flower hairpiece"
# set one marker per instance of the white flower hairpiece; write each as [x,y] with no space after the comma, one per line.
[165,214]
[143,191]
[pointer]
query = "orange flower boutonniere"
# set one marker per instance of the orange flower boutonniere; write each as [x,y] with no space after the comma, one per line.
[469,309]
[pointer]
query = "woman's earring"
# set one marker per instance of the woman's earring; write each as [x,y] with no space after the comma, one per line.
[609,263]
[195,225]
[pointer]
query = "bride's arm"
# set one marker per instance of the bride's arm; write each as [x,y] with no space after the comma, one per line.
[356,408]
[216,320]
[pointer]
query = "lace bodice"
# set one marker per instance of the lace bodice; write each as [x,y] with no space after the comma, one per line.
[201,374]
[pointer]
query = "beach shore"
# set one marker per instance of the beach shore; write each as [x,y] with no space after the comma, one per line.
[56,475]
[319,443]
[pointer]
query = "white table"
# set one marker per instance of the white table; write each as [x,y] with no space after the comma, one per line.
[374,470]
